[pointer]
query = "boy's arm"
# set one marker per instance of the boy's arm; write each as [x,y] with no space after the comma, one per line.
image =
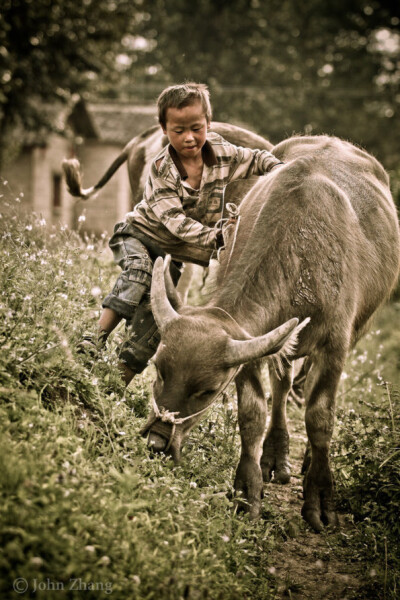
[166,205]
[250,162]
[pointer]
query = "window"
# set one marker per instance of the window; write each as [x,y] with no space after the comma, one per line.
[56,192]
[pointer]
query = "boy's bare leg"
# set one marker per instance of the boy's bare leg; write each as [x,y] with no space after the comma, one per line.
[108,321]
[126,373]
[92,344]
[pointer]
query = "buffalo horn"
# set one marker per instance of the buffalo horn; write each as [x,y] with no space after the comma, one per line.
[241,351]
[172,292]
[163,312]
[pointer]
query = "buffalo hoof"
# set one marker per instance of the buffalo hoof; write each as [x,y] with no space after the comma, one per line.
[248,488]
[275,458]
[253,509]
[271,472]
[319,518]
[318,509]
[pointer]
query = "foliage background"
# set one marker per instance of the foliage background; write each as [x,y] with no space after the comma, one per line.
[278,66]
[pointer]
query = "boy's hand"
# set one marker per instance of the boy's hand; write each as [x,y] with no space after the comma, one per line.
[279,164]
[219,239]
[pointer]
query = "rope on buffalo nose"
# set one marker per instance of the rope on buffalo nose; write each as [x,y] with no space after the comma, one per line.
[166,416]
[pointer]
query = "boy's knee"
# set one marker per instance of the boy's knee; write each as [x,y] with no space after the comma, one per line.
[138,267]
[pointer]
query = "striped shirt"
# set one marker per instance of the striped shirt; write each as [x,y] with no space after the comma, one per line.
[181,219]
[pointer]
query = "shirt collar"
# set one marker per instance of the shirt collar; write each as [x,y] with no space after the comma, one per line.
[207,151]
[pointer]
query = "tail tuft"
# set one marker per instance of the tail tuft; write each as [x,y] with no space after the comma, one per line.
[71,168]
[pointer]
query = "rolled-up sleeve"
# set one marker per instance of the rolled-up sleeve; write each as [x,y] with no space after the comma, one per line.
[247,162]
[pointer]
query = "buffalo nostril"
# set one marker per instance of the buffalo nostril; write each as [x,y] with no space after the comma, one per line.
[156,442]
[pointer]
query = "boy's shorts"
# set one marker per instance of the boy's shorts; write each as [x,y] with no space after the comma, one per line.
[133,283]
[130,295]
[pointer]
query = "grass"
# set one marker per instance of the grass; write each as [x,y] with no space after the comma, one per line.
[84,510]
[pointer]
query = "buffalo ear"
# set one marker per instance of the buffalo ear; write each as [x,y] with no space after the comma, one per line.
[282,339]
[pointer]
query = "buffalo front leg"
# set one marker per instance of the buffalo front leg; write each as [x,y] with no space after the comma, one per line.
[318,508]
[252,412]
[275,456]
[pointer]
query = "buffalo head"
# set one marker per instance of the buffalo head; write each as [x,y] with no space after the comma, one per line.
[201,351]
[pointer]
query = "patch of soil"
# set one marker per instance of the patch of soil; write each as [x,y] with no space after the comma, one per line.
[307,565]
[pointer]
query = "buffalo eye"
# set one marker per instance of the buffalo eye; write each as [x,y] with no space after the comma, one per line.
[204,393]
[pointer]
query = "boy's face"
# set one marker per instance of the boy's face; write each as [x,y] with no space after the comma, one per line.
[186,129]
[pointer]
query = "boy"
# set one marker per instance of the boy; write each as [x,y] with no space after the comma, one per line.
[182,203]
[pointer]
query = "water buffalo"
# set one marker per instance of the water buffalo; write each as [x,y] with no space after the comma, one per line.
[318,238]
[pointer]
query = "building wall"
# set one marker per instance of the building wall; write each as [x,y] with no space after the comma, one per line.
[18,174]
[49,195]
[37,172]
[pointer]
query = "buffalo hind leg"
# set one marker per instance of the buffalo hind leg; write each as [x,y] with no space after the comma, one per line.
[252,413]
[321,385]
[275,456]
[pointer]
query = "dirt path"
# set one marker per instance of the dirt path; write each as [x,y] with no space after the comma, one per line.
[309,566]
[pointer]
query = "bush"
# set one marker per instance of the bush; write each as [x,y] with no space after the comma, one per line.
[367,466]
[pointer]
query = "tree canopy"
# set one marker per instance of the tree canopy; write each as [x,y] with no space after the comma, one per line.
[280,67]
[50,50]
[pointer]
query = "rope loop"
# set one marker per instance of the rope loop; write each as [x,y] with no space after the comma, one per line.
[166,416]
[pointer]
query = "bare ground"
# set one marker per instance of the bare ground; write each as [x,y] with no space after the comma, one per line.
[309,566]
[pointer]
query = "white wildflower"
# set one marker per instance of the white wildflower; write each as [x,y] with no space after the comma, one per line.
[95,291]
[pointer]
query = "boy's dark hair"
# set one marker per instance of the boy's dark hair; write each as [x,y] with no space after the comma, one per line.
[179,96]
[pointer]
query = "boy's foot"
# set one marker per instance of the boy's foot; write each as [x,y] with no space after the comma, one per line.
[91,345]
